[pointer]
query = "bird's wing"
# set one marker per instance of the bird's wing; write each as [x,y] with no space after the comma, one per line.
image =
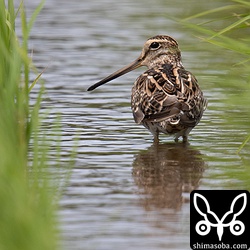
[166,92]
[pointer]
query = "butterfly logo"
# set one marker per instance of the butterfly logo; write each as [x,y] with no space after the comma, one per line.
[203,227]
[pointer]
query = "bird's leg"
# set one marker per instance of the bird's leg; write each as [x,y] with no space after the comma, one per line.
[185,138]
[156,136]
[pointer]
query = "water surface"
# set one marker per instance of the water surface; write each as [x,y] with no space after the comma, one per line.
[125,191]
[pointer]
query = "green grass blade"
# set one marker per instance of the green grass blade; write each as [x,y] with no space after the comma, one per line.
[244,3]
[36,80]
[243,144]
[212,11]
[232,26]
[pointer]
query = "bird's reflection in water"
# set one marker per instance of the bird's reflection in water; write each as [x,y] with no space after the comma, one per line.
[164,172]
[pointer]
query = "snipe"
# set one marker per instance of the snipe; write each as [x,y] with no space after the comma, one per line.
[166,98]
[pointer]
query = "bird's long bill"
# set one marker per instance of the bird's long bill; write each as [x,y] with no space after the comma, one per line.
[120,72]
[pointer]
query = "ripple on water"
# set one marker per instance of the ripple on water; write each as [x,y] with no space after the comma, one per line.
[124,190]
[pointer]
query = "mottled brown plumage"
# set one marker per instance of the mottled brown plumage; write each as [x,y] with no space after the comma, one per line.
[166,98]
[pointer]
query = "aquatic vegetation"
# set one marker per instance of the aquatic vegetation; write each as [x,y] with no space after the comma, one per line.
[27,219]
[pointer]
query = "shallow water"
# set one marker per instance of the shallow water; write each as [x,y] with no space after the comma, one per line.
[124,190]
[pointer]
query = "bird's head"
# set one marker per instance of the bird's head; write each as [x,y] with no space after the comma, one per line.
[157,50]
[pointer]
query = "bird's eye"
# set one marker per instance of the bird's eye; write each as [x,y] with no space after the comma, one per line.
[154,45]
